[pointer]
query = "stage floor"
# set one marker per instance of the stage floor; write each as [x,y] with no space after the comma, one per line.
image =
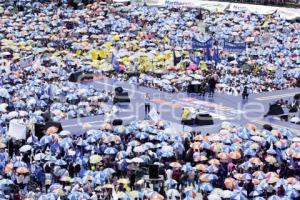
[222,107]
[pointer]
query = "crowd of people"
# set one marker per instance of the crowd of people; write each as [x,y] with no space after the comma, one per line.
[155,44]
[111,163]
[42,43]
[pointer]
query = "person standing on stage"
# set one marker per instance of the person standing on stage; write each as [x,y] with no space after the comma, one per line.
[147,104]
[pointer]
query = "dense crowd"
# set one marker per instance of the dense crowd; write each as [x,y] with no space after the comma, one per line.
[43,43]
[150,42]
[111,163]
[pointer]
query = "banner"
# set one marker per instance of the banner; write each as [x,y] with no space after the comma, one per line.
[17,130]
[196,44]
[234,47]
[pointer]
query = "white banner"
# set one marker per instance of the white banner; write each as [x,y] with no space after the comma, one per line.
[17,130]
[215,6]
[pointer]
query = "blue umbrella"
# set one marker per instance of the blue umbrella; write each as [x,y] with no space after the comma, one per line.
[274,197]
[149,145]
[205,145]
[238,196]
[170,182]
[142,135]
[55,186]
[249,152]
[226,149]
[99,178]
[60,162]
[78,195]
[206,187]
[259,198]
[49,196]
[247,176]
[246,165]
[82,143]
[6,182]
[162,137]
[76,180]
[108,171]
[271,138]
[178,146]
[187,167]
[212,169]
[255,193]
[91,139]
[111,151]
[244,133]
[46,139]
[167,154]
[292,194]
[19,163]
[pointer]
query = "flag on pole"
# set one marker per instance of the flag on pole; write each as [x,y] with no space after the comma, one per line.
[207,55]
[194,59]
[216,56]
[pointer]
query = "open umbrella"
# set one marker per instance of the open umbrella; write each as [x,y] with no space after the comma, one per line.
[110,151]
[95,159]
[206,187]
[22,170]
[173,193]
[25,148]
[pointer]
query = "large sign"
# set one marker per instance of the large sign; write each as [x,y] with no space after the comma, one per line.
[196,44]
[288,13]
[17,130]
[234,47]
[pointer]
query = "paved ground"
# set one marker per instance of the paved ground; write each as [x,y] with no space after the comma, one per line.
[223,107]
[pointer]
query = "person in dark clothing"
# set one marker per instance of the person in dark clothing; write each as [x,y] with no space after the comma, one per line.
[71,169]
[132,181]
[10,148]
[245,93]
[249,187]
[211,87]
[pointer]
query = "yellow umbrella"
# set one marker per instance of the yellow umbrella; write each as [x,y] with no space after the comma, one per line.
[123,181]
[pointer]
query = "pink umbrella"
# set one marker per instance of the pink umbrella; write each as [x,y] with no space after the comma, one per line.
[193,67]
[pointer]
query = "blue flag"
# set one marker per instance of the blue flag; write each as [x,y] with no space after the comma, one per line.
[115,63]
[196,44]
[216,56]
[207,55]
[234,47]
[194,59]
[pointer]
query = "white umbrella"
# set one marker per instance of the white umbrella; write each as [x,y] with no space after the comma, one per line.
[13,114]
[39,156]
[173,193]
[4,93]
[25,148]
[3,107]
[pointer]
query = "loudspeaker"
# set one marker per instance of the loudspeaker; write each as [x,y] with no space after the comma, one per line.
[204,119]
[275,109]
[117,122]
[39,130]
[153,171]
[187,122]
[119,90]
